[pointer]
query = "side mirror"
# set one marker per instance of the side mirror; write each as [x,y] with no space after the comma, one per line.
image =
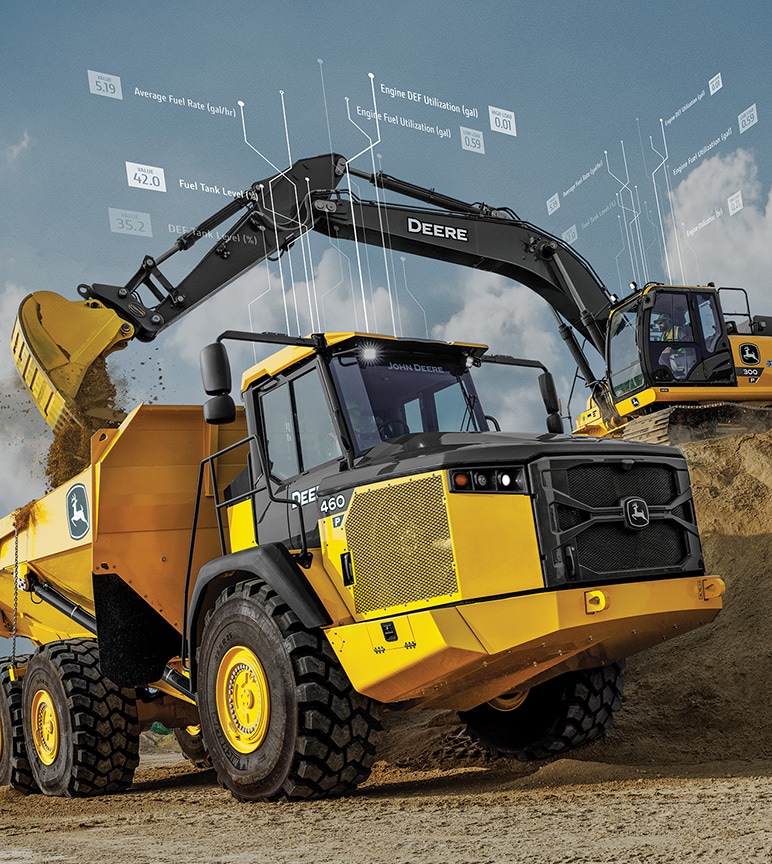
[216,377]
[215,369]
[555,424]
[220,409]
[551,400]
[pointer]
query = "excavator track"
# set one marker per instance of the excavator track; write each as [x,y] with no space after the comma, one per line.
[682,423]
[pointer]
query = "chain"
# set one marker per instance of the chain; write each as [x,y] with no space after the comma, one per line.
[15,592]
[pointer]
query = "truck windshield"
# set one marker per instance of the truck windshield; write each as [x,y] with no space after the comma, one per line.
[386,394]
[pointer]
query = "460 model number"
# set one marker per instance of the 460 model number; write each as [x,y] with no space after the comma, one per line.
[332,504]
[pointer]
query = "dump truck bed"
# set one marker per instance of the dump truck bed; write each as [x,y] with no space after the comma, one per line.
[130,513]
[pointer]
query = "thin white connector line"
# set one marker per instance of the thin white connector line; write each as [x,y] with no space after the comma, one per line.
[324,100]
[673,213]
[415,300]
[663,160]
[372,143]
[625,185]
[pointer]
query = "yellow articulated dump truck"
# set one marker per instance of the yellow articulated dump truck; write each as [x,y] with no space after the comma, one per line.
[359,534]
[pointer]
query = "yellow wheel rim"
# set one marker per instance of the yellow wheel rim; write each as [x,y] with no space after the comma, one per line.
[45,727]
[243,700]
[509,701]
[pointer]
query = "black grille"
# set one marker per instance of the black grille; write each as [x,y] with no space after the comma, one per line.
[605,485]
[581,523]
[606,546]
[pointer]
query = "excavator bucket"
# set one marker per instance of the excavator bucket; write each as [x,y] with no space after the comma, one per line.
[55,342]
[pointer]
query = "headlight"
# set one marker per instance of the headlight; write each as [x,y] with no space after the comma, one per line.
[488,479]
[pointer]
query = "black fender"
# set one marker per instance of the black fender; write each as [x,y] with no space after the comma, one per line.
[269,562]
[135,641]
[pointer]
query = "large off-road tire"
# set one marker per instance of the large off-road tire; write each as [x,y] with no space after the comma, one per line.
[191,742]
[6,734]
[81,729]
[14,765]
[280,718]
[551,718]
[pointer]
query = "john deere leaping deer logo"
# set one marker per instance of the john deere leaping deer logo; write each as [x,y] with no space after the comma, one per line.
[750,354]
[636,512]
[78,521]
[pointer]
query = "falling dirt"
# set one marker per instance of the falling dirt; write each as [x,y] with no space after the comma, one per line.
[95,408]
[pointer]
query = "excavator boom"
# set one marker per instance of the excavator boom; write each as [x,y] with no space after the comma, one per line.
[56,342]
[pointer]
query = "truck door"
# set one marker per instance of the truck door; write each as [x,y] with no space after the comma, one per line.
[301,446]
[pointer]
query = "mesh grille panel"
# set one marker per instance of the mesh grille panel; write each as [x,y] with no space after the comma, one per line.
[605,485]
[399,540]
[610,548]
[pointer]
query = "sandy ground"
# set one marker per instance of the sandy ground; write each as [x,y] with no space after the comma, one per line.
[568,811]
[685,774]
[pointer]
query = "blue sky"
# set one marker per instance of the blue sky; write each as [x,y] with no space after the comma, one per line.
[598,94]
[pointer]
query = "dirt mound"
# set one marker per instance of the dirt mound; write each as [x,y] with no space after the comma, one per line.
[705,695]
[700,697]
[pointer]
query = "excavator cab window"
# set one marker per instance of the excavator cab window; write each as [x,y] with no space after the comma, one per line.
[385,394]
[672,347]
[625,372]
[685,339]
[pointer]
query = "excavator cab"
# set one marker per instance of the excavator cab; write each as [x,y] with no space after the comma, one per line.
[671,351]
[667,338]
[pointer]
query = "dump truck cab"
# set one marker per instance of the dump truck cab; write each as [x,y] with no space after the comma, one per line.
[322,412]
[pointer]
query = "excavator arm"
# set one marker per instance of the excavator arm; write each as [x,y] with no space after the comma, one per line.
[55,341]
[277,212]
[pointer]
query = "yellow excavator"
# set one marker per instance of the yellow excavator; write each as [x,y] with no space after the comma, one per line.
[676,364]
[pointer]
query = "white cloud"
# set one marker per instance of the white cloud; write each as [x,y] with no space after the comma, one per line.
[12,152]
[511,319]
[505,315]
[716,245]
